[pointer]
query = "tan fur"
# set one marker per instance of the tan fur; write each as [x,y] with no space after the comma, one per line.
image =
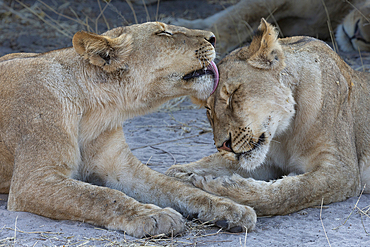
[306,119]
[236,24]
[354,32]
[63,153]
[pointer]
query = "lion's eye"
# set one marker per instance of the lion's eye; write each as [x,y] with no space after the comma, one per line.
[164,33]
[231,97]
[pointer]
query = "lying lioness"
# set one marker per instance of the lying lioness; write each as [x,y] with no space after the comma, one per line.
[63,154]
[316,18]
[286,106]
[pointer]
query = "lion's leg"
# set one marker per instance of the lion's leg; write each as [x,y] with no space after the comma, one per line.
[216,165]
[116,167]
[286,195]
[58,197]
[237,23]
[42,184]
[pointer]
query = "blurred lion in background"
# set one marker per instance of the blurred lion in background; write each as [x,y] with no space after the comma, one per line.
[317,18]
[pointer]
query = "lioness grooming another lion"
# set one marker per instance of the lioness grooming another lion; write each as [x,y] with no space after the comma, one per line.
[63,153]
[286,107]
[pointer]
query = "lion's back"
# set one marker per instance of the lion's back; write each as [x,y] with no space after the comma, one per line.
[300,43]
[17,55]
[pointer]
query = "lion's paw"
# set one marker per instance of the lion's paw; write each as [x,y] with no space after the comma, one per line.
[221,186]
[151,222]
[182,172]
[210,184]
[231,216]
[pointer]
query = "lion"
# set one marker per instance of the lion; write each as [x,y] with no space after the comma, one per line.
[289,119]
[63,153]
[235,25]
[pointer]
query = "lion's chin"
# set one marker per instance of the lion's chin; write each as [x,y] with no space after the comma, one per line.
[199,75]
[204,87]
[253,159]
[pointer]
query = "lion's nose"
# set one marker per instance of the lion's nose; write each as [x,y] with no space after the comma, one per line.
[226,146]
[212,40]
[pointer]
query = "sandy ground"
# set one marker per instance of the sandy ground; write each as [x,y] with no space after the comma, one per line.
[161,139]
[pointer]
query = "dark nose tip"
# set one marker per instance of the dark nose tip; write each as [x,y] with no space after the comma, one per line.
[226,146]
[212,40]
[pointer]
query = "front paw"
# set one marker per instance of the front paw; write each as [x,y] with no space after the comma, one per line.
[209,184]
[230,216]
[221,186]
[181,172]
[150,221]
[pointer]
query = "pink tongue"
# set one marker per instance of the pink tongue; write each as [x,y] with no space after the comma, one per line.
[212,66]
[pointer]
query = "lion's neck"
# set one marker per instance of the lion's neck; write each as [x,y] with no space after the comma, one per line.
[111,99]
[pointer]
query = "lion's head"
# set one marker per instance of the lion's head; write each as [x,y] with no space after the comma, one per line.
[163,61]
[354,32]
[251,105]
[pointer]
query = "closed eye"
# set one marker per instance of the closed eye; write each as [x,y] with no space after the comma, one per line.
[164,33]
[231,97]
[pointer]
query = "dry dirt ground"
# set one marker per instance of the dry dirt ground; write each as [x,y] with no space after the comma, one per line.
[179,133]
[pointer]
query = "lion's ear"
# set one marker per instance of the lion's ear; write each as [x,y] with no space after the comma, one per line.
[265,52]
[108,53]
